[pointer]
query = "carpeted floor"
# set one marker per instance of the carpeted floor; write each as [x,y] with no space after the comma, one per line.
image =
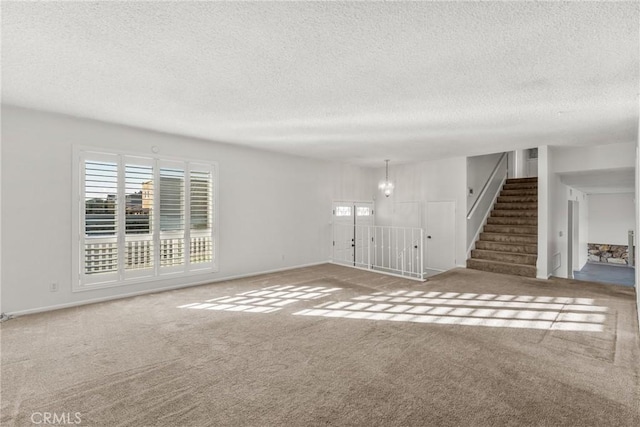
[330,345]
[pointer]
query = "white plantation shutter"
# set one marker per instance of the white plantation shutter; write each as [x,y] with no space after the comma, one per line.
[172,217]
[201,215]
[100,225]
[142,217]
[139,248]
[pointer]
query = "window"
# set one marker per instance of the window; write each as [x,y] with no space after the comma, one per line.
[363,211]
[141,218]
[343,210]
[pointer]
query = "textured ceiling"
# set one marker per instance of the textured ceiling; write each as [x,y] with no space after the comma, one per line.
[356,82]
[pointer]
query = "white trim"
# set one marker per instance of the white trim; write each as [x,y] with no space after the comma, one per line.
[151,155]
[544,212]
[77,212]
[153,291]
[637,226]
[166,275]
[354,201]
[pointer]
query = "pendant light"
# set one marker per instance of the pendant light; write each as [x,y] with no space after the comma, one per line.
[386,186]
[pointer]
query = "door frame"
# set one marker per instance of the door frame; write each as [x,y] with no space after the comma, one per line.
[573,232]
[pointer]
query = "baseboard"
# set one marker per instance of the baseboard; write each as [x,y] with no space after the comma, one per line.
[153,291]
[610,264]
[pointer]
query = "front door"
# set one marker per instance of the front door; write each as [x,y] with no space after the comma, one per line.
[352,232]
[363,234]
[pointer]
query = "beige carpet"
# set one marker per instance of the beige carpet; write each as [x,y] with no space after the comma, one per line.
[330,345]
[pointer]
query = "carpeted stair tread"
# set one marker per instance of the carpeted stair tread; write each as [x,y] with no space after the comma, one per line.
[522,248]
[509,238]
[517,206]
[513,220]
[510,257]
[511,229]
[520,187]
[520,180]
[515,212]
[502,267]
[520,192]
[518,199]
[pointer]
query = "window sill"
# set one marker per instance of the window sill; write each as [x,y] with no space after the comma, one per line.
[144,280]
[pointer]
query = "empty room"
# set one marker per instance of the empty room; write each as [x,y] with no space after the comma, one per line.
[319,213]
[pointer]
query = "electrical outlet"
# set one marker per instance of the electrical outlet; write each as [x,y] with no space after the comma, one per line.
[53,287]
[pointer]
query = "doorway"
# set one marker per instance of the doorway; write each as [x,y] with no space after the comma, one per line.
[351,225]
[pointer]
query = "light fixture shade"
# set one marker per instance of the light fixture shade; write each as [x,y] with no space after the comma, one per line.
[386,186]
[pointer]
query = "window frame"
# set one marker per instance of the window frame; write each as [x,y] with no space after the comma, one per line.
[127,277]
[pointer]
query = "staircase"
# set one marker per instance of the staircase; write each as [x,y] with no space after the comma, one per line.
[509,241]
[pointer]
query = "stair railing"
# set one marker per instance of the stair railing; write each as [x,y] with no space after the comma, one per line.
[391,250]
[412,263]
[481,208]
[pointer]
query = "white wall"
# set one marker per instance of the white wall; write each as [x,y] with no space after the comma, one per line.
[576,159]
[611,216]
[274,210]
[519,165]
[479,169]
[637,216]
[1,220]
[479,174]
[352,183]
[558,224]
[608,156]
[558,220]
[438,180]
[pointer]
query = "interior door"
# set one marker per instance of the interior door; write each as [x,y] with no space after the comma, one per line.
[441,235]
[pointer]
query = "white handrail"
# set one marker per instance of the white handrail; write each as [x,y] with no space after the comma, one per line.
[482,206]
[485,187]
